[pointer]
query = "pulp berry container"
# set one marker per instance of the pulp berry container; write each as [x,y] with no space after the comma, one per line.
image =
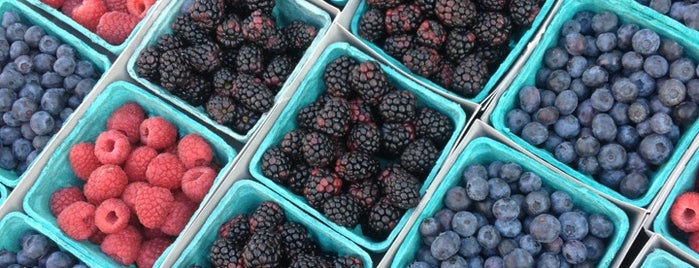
[308,91]
[517,46]
[284,12]
[486,150]
[662,259]
[243,198]
[627,13]
[29,16]
[3,194]
[58,174]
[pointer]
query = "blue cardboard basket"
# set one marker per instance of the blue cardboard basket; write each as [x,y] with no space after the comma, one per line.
[484,151]
[284,12]
[627,12]
[3,194]
[662,259]
[307,93]
[243,198]
[58,174]
[516,49]
[10,177]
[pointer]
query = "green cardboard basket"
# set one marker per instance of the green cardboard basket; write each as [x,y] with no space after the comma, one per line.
[284,12]
[485,150]
[517,46]
[243,198]
[9,177]
[662,259]
[58,174]
[627,12]
[308,91]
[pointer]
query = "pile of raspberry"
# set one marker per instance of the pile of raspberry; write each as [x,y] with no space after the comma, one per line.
[683,215]
[113,20]
[141,186]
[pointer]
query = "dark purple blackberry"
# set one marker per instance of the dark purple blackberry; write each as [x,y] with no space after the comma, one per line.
[249,60]
[355,166]
[253,94]
[276,42]
[299,175]
[174,72]
[470,76]
[307,261]
[267,216]
[445,74]
[402,19]
[291,144]
[188,31]
[317,149]
[348,262]
[342,210]
[196,92]
[321,186]
[398,106]
[492,55]
[236,229]
[384,4]
[361,112]
[225,252]
[419,157]
[459,44]
[300,34]
[278,71]
[426,7]
[369,81]
[262,250]
[493,5]
[422,60]
[431,34]
[230,32]
[336,76]
[523,12]
[364,138]
[402,190]
[228,58]
[204,57]
[397,45]
[169,42]
[221,109]
[365,193]
[372,25]
[391,170]
[207,13]
[276,165]
[333,118]
[223,81]
[295,240]
[147,63]
[395,137]
[456,13]
[265,6]
[258,26]
[381,220]
[244,119]
[306,118]
[492,28]
[433,125]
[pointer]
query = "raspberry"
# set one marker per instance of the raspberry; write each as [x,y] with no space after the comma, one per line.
[151,251]
[78,220]
[116,5]
[139,8]
[137,163]
[180,213]
[112,215]
[64,197]
[131,191]
[97,237]
[107,181]
[54,3]
[83,160]
[197,181]
[114,26]
[165,170]
[684,212]
[694,241]
[126,120]
[123,246]
[69,6]
[149,233]
[158,133]
[152,205]
[112,147]
[88,13]
[194,151]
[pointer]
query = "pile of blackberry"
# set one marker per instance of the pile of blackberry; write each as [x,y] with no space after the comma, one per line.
[503,216]
[361,150]
[266,239]
[228,56]
[457,44]
[686,12]
[611,99]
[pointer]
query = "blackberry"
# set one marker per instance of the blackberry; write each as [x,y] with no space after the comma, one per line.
[336,76]
[355,166]
[221,109]
[381,220]
[493,5]
[433,125]
[228,58]
[253,94]
[456,13]
[422,60]
[262,250]
[264,6]
[470,76]
[174,72]
[249,60]
[306,118]
[147,63]
[398,106]
[361,112]
[395,137]
[244,119]
[372,25]
[342,210]
[384,4]
[278,71]
[276,42]
[230,32]
[333,118]
[295,240]
[459,44]
[291,144]
[196,92]
[267,216]
[348,262]
[397,45]
[187,30]
[402,19]
[169,42]
[426,6]
[207,13]
[365,193]
[236,229]
[431,34]
[299,175]
[492,28]
[419,157]
[258,26]
[223,81]
[492,55]
[225,253]
[369,81]
[317,149]
[402,189]
[364,138]
[307,261]
[300,34]
[445,74]
[276,165]
[523,12]
[204,57]
[321,186]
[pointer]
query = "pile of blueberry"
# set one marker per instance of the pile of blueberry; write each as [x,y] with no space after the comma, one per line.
[611,99]
[36,250]
[41,82]
[686,12]
[502,216]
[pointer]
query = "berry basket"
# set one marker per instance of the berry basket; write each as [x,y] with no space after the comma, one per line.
[627,13]
[661,258]
[517,46]
[58,172]
[676,11]
[485,150]
[9,177]
[3,194]
[309,90]
[284,12]
[243,198]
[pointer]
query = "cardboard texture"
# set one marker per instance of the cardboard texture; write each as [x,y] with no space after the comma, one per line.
[3,193]
[657,253]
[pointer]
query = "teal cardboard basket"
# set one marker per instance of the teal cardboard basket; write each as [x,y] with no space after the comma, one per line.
[484,151]
[3,194]
[284,12]
[516,49]
[308,91]
[9,177]
[662,259]
[58,174]
[627,12]
[243,198]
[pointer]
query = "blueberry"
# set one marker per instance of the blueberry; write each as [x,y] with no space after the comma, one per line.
[574,251]
[24,64]
[528,243]
[506,209]
[506,246]
[42,123]
[18,48]
[488,237]
[15,31]
[685,113]
[475,170]
[570,26]
[586,146]
[64,66]
[575,44]
[498,188]
[51,80]
[519,258]
[32,35]
[632,61]
[516,119]
[43,62]
[84,86]
[551,143]
[603,127]
[74,101]
[548,98]
[574,225]
[469,247]
[69,82]
[65,113]
[600,226]
[671,92]
[554,246]
[644,129]
[634,185]
[645,41]
[9,134]
[547,115]
[625,34]
[446,245]
[610,61]
[595,248]
[682,69]
[21,149]
[541,75]
[588,165]
[65,50]
[624,90]
[7,160]
[27,131]
[611,156]
[585,113]
[23,109]
[85,69]
[595,76]
[644,82]
[555,58]
[661,123]
[537,202]
[611,178]
[677,10]
[457,199]
[529,99]
[444,217]
[604,22]
[510,172]
[582,91]
[7,257]
[7,97]
[11,79]
[529,182]
[584,18]
[9,17]
[24,260]
[606,42]
[494,168]
[49,44]
[455,261]
[656,66]
[662,6]
[655,149]
[419,264]
[619,113]
[591,47]
[565,152]
[32,91]
[430,227]
[477,188]
[670,49]
[548,259]
[657,106]
[508,228]
[567,127]
[576,66]
[535,133]
[4,47]
[10,120]
[638,111]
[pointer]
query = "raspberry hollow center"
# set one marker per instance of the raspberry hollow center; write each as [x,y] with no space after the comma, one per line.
[688,215]
[112,217]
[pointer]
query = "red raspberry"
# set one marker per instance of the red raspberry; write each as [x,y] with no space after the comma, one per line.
[123,246]
[172,149]
[83,160]
[180,196]
[115,26]
[153,205]
[88,13]
[180,213]
[107,181]
[97,237]
[684,212]
[112,215]
[139,8]
[197,181]
[131,191]
[78,220]
[153,233]
[116,5]
[137,163]
[64,197]
[54,3]
[112,147]
[158,133]
[69,6]
[165,170]
[126,119]
[194,151]
[694,241]
[151,251]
